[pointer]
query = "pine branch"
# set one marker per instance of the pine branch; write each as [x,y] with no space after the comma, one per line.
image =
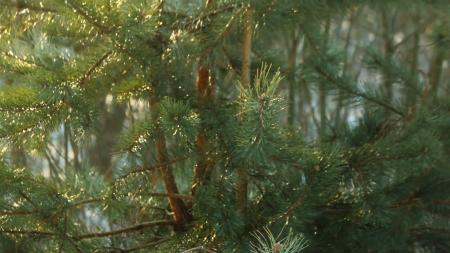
[21,5]
[83,13]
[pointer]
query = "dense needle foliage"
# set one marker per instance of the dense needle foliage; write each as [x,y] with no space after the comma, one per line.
[189,126]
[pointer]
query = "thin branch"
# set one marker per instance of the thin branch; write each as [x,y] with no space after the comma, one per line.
[221,36]
[296,203]
[56,210]
[148,245]
[171,195]
[150,168]
[84,202]
[331,79]
[87,17]
[359,94]
[94,67]
[125,230]
[201,248]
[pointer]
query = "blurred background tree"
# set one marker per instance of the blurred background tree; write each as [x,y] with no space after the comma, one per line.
[169,125]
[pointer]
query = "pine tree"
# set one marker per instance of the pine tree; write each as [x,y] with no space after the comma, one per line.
[175,126]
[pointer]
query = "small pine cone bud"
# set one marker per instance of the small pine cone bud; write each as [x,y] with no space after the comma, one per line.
[277,247]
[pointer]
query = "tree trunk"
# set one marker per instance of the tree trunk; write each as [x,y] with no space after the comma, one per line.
[242,181]
[205,93]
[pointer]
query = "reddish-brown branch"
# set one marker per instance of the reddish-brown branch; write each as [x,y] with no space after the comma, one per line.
[180,214]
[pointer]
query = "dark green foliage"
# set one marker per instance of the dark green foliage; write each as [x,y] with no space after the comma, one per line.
[362,165]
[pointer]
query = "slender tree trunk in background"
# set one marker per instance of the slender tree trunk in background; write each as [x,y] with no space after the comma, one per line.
[110,128]
[305,96]
[388,51]
[18,157]
[340,98]
[437,60]
[307,104]
[242,181]
[292,61]
[75,150]
[322,90]
[205,93]
[66,145]
[410,97]
[180,214]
